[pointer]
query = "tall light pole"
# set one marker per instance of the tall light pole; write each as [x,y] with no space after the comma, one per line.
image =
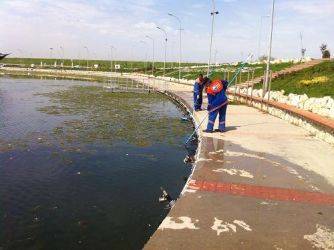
[152,52]
[270,43]
[132,56]
[180,46]
[111,57]
[165,47]
[303,50]
[145,61]
[62,55]
[213,13]
[260,35]
[87,55]
[51,49]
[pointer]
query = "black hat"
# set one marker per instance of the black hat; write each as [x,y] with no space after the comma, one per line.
[206,80]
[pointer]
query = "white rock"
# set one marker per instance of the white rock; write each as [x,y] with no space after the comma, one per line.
[283,99]
[331,112]
[302,101]
[293,100]
[330,103]
[308,105]
[323,111]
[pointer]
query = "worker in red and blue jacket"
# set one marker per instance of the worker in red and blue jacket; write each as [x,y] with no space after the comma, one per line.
[198,93]
[217,104]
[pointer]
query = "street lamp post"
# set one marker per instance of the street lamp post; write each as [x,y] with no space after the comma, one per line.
[260,35]
[62,55]
[51,49]
[87,55]
[303,50]
[111,59]
[152,52]
[166,39]
[270,43]
[145,61]
[213,13]
[180,46]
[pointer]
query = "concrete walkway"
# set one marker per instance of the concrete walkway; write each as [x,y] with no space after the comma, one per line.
[263,184]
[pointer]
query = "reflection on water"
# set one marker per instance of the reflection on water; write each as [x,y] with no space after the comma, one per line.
[81,168]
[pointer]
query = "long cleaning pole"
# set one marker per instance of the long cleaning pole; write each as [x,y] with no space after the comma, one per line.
[233,79]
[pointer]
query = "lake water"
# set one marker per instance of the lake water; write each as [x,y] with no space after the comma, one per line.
[81,168]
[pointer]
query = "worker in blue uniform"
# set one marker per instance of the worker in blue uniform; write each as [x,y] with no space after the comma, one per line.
[217,104]
[198,93]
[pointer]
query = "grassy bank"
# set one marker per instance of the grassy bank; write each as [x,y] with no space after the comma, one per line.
[188,70]
[316,81]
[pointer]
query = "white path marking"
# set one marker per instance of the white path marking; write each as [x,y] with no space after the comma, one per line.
[231,153]
[203,159]
[314,188]
[269,203]
[217,152]
[223,227]
[233,171]
[190,191]
[323,238]
[178,223]
[242,224]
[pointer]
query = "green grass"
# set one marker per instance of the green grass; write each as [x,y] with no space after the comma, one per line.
[145,67]
[258,71]
[295,82]
[104,65]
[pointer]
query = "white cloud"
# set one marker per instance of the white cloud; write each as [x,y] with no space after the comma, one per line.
[311,7]
[145,25]
[35,25]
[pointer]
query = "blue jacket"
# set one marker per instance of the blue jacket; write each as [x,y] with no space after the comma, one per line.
[218,99]
[198,88]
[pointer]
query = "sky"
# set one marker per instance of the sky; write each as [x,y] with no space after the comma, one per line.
[105,29]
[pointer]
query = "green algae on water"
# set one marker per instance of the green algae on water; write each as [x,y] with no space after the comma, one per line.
[106,117]
[94,116]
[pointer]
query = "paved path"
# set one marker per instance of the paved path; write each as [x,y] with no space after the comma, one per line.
[263,184]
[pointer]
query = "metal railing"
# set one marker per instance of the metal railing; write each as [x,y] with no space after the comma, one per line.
[136,84]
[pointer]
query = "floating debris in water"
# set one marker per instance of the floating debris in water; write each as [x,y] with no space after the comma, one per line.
[188,159]
[79,173]
[164,196]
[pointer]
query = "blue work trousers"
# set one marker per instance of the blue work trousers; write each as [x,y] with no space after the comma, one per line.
[198,100]
[222,116]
